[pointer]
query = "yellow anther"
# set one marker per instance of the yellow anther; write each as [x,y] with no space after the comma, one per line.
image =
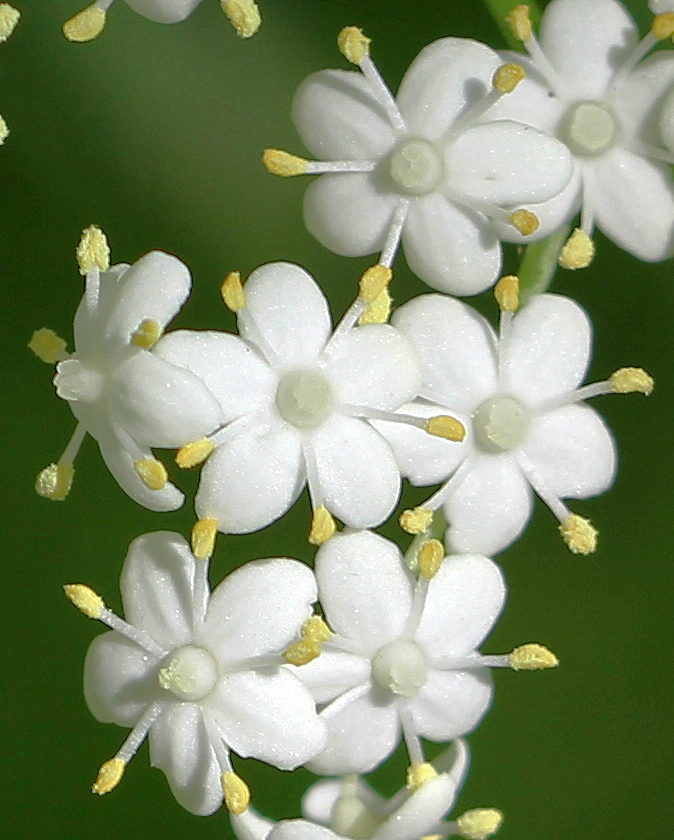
[323,526]
[152,473]
[86,25]
[284,164]
[579,534]
[525,221]
[244,15]
[47,346]
[85,599]
[302,652]
[532,657]
[232,291]
[194,453]
[316,630]
[353,45]
[431,555]
[4,131]
[508,76]
[93,250]
[507,293]
[55,481]
[204,532]
[446,427]
[379,311]
[148,333]
[109,776]
[416,520]
[628,380]
[519,22]
[236,793]
[479,823]
[578,251]
[9,17]
[419,774]
[663,26]
[373,282]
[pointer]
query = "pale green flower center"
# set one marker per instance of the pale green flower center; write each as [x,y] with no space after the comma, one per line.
[400,667]
[415,167]
[500,424]
[304,398]
[589,129]
[190,674]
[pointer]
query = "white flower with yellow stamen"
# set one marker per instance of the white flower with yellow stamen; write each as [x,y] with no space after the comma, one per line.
[587,85]
[120,390]
[201,673]
[297,400]
[527,426]
[422,167]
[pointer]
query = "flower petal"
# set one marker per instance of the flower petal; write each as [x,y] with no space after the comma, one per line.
[90,322]
[452,703]
[339,118]
[259,609]
[365,588]
[547,351]
[180,746]
[250,825]
[301,830]
[422,811]
[252,480]
[642,96]
[320,799]
[333,672]
[268,715]
[164,11]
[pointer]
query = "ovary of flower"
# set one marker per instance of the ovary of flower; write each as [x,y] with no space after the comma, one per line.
[201,674]
[423,168]
[123,394]
[587,85]
[521,399]
[297,401]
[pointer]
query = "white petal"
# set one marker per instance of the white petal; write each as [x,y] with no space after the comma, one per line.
[364,587]
[269,716]
[375,365]
[445,78]
[302,830]
[164,11]
[349,213]
[452,703]
[642,96]
[421,812]
[252,480]
[338,118]
[532,102]
[490,507]
[157,585]
[250,825]
[587,41]
[572,451]
[232,368]
[463,602]
[357,473]
[666,121]
[90,323]
[259,609]
[507,164]
[180,746]
[119,679]
[360,737]
[451,247]
[320,799]
[457,347]
[547,351]
[633,199]
[288,307]
[333,672]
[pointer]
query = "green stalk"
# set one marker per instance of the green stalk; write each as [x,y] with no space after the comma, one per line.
[499,10]
[539,263]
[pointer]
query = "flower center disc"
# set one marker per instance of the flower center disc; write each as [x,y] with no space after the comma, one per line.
[191,674]
[589,129]
[400,667]
[500,424]
[304,398]
[415,167]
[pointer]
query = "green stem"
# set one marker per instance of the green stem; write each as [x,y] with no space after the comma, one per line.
[499,10]
[539,263]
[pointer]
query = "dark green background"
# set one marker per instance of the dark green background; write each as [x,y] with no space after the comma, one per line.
[155,133]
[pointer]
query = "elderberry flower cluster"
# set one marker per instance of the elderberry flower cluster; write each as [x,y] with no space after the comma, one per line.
[332,665]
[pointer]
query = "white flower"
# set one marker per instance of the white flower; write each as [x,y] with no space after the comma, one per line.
[660,7]
[200,673]
[527,426]
[120,390]
[420,166]
[587,86]
[296,402]
[403,657]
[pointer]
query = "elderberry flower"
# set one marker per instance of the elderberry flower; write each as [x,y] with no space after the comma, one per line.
[424,167]
[587,85]
[527,427]
[120,390]
[200,673]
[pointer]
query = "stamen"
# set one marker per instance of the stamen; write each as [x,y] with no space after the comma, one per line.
[109,776]
[93,250]
[430,557]
[302,652]
[578,251]
[148,333]
[415,750]
[663,26]
[244,15]
[316,630]
[532,657]
[525,221]
[54,482]
[343,700]
[579,534]
[629,380]
[479,823]
[236,793]
[152,473]
[392,242]
[232,292]
[87,24]
[419,774]
[9,17]
[446,427]
[508,76]
[47,346]
[353,44]
[379,311]
[194,453]
[85,599]
[416,520]
[4,131]
[374,281]
[507,293]
[204,532]
[519,22]
[283,164]
[323,526]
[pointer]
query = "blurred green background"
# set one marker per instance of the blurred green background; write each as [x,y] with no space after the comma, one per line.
[155,133]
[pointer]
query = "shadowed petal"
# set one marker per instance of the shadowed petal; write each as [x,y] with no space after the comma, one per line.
[452,703]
